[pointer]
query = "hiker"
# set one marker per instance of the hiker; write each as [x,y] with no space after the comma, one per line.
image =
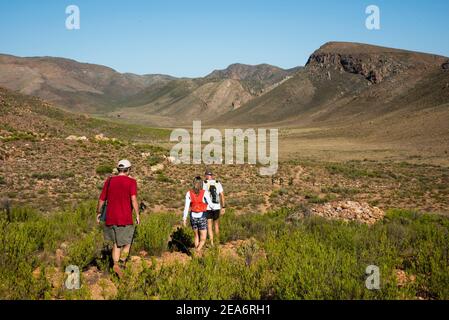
[115,208]
[216,206]
[196,204]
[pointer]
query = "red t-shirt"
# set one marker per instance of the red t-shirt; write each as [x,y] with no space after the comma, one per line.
[119,210]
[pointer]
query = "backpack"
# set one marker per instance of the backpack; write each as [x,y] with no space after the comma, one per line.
[213,192]
[196,202]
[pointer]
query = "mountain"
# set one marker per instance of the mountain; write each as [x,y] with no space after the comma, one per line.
[152,99]
[342,85]
[182,100]
[71,84]
[255,78]
[347,82]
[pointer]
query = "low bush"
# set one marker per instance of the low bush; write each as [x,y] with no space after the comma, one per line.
[308,258]
[104,169]
[153,234]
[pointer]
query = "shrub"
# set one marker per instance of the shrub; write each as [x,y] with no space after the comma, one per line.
[153,233]
[85,251]
[104,169]
[155,159]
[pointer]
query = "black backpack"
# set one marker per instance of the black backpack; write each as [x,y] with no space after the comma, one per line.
[213,193]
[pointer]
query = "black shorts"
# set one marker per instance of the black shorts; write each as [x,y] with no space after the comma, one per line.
[213,214]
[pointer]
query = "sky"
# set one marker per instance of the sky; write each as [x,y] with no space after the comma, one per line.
[191,38]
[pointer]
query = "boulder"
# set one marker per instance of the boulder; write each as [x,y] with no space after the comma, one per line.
[348,211]
[76,138]
[445,65]
[157,167]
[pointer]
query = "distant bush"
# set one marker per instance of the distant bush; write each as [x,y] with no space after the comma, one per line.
[161,177]
[155,159]
[26,136]
[104,169]
[44,176]
[350,170]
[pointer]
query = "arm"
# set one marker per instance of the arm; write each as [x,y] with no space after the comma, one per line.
[136,208]
[222,203]
[186,209]
[207,199]
[101,200]
[222,200]
[99,206]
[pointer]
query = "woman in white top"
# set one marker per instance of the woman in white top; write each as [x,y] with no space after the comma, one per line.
[197,200]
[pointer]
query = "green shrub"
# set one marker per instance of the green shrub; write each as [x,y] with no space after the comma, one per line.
[44,176]
[309,258]
[161,177]
[155,159]
[85,251]
[104,169]
[153,233]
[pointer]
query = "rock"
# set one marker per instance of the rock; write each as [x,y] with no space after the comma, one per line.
[157,167]
[445,65]
[59,257]
[76,138]
[171,159]
[374,67]
[403,279]
[104,289]
[348,211]
[101,137]
[145,155]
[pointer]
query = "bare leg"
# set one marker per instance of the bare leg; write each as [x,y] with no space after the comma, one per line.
[197,238]
[115,253]
[203,237]
[210,231]
[125,253]
[217,230]
[116,258]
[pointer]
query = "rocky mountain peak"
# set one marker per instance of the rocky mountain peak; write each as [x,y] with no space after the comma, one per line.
[374,63]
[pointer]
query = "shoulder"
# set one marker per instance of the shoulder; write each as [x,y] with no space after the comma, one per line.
[130,180]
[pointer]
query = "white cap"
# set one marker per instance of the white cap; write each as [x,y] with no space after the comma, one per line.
[124,164]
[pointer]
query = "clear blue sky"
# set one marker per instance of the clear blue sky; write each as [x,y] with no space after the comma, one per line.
[193,37]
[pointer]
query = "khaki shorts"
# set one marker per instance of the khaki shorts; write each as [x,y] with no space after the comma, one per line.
[120,235]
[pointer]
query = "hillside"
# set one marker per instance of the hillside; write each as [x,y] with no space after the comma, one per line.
[73,85]
[50,158]
[158,100]
[183,100]
[387,94]
[339,75]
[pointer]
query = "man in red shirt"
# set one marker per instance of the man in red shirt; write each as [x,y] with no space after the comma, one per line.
[120,195]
